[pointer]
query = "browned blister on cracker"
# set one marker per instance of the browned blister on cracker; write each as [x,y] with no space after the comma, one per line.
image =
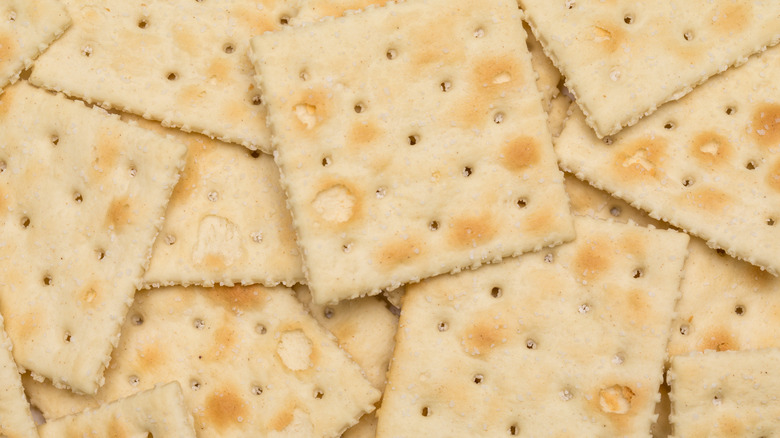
[412,142]
[564,342]
[623,59]
[82,196]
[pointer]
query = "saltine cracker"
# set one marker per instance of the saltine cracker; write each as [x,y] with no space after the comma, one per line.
[15,418]
[569,341]
[27,27]
[250,359]
[708,163]
[725,394]
[82,197]
[226,222]
[158,412]
[622,59]
[411,141]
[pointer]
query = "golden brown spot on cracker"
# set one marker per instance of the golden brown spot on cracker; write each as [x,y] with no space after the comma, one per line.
[592,258]
[254,19]
[337,9]
[773,176]
[766,125]
[640,159]
[485,332]
[109,145]
[20,326]
[362,133]
[706,198]
[224,407]
[191,95]
[6,101]
[733,17]
[520,153]
[729,425]
[472,230]
[616,399]
[186,39]
[219,69]
[119,213]
[539,222]
[8,48]
[284,417]
[711,149]
[224,339]
[150,358]
[214,262]
[430,48]
[190,176]
[719,339]
[607,37]
[116,429]
[398,251]
[490,80]
[239,298]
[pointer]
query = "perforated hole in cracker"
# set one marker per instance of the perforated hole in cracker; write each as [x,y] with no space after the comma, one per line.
[496,292]
[413,139]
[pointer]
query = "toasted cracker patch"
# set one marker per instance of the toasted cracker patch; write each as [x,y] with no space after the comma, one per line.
[156,412]
[226,222]
[706,163]
[623,59]
[725,394]
[82,196]
[429,154]
[15,417]
[250,360]
[567,341]
[27,27]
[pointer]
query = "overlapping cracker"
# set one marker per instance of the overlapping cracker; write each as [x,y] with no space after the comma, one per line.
[158,412]
[226,221]
[365,329]
[725,394]
[708,163]
[15,418]
[558,113]
[566,342]
[412,142]
[27,27]
[726,304]
[250,360]
[622,59]
[82,196]
[548,76]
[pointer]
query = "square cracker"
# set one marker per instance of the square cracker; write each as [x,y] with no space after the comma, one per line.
[623,58]
[82,196]
[428,154]
[182,62]
[226,222]
[27,27]
[725,394]
[15,418]
[708,163]
[565,342]
[251,360]
[158,412]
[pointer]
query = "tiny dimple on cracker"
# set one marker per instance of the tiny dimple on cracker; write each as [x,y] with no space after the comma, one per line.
[250,360]
[430,154]
[158,412]
[27,27]
[707,163]
[15,418]
[624,59]
[82,196]
[569,341]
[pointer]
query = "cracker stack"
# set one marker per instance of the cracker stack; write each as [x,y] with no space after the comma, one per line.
[412,143]
[429,154]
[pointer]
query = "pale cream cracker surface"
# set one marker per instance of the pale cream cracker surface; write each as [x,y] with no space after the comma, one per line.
[725,394]
[548,76]
[365,329]
[15,418]
[159,412]
[82,196]
[250,360]
[27,27]
[708,163]
[622,59]
[564,342]
[428,154]
[226,222]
